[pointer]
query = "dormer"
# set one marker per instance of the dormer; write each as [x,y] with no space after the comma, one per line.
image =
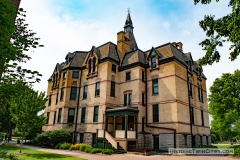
[153,59]
[92,63]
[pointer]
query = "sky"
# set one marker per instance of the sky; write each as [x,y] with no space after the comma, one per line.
[76,25]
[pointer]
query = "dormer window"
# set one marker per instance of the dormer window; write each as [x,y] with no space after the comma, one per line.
[189,66]
[92,65]
[153,62]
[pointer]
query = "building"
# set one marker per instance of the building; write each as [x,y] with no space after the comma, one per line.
[119,94]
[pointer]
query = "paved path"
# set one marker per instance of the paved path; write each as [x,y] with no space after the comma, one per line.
[125,156]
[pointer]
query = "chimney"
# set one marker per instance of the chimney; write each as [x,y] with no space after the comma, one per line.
[178,45]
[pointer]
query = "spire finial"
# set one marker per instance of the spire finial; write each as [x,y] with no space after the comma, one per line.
[128,10]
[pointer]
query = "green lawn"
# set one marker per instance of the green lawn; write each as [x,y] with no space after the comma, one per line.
[34,154]
[224,145]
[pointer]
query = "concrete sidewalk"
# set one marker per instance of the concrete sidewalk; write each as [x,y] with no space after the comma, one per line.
[121,156]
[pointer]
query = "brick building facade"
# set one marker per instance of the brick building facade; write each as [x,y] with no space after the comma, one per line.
[155,98]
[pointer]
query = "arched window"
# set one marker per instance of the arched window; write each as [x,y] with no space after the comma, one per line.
[56,78]
[53,79]
[89,65]
[94,64]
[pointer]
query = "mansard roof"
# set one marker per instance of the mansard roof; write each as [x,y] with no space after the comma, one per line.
[134,57]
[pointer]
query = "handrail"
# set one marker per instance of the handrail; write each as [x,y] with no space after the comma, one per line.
[111,140]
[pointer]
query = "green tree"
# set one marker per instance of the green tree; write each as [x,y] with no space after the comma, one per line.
[25,108]
[224,103]
[15,40]
[218,31]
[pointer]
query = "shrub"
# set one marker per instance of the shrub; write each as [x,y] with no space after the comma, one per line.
[75,147]
[207,146]
[236,151]
[82,147]
[52,138]
[107,151]
[65,145]
[58,146]
[96,150]
[88,149]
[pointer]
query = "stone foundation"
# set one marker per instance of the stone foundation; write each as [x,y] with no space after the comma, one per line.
[87,138]
[209,140]
[189,141]
[204,140]
[166,141]
[145,140]
[181,141]
[197,141]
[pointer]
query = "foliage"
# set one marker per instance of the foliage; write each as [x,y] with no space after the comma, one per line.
[24,110]
[82,147]
[224,102]
[65,145]
[147,149]
[107,151]
[15,40]
[53,138]
[207,146]
[236,151]
[75,147]
[96,150]
[88,149]
[218,31]
[58,146]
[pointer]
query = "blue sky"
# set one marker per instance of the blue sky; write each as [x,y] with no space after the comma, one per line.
[69,25]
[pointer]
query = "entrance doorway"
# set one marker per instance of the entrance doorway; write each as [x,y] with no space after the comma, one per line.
[156,141]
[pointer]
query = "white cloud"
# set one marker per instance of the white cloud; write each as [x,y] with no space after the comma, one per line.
[70,32]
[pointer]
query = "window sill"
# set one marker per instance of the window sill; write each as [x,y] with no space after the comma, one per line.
[96,96]
[72,99]
[84,98]
[113,96]
[155,94]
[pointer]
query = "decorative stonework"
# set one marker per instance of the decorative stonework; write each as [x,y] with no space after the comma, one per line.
[145,140]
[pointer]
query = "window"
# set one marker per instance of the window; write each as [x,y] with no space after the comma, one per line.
[128,76]
[48,113]
[71,112]
[143,99]
[95,114]
[59,115]
[54,118]
[81,138]
[190,89]
[154,65]
[97,90]
[94,64]
[62,94]
[75,74]
[73,93]
[143,76]
[155,86]
[192,114]
[114,68]
[202,116]
[89,66]
[201,94]
[85,88]
[112,90]
[83,115]
[50,100]
[155,113]
[130,99]
[64,75]
[56,98]
[127,99]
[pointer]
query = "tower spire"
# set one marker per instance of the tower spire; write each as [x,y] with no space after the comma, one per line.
[128,27]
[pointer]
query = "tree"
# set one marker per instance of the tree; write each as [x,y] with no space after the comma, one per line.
[218,31]
[224,103]
[15,39]
[25,108]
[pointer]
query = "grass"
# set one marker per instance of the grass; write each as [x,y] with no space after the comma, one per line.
[220,146]
[35,155]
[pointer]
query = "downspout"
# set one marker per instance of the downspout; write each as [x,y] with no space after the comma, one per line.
[79,89]
[189,103]
[172,129]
